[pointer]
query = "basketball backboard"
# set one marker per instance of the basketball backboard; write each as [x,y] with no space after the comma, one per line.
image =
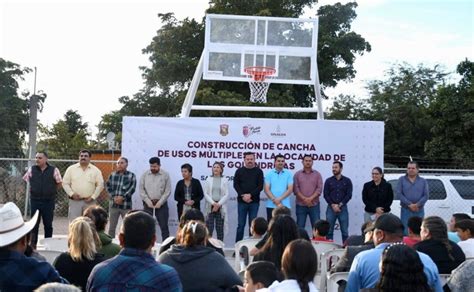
[234,42]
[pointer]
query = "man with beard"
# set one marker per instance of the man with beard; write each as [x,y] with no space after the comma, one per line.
[155,188]
[337,193]
[83,183]
[248,183]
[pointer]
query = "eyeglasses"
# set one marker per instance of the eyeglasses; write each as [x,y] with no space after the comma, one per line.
[39,158]
[375,173]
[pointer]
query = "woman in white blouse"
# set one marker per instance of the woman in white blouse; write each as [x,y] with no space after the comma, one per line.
[216,194]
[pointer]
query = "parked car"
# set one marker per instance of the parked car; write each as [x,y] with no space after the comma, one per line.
[448,194]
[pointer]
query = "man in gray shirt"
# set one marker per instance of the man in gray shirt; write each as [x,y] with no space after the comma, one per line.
[155,188]
[412,191]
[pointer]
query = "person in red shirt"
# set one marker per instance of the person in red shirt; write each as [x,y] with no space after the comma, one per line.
[320,230]
[414,228]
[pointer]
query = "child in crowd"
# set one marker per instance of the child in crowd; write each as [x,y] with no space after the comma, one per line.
[259,275]
[465,230]
[258,228]
[414,228]
[320,230]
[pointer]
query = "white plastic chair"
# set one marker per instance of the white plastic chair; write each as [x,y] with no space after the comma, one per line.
[334,278]
[50,255]
[326,257]
[55,243]
[322,247]
[249,243]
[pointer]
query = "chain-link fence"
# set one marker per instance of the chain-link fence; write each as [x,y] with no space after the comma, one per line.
[451,190]
[14,189]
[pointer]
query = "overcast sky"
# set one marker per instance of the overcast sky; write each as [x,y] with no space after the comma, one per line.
[88,52]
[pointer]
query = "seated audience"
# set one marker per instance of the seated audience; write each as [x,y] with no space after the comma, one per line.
[402,270]
[357,239]
[446,254]
[299,265]
[76,264]
[465,230]
[17,271]
[414,228]
[462,278]
[33,253]
[283,230]
[100,218]
[199,267]
[134,268]
[345,262]
[258,227]
[191,214]
[452,235]
[364,272]
[320,230]
[259,275]
[282,210]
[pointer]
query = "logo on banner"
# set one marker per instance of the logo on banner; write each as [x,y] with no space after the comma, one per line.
[224,130]
[249,130]
[278,132]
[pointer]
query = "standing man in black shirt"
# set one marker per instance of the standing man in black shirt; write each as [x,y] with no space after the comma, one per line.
[44,180]
[248,183]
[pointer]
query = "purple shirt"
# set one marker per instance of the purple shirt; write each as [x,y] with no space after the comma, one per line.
[307,183]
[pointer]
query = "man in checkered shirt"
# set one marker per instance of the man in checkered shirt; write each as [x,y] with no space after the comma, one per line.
[120,186]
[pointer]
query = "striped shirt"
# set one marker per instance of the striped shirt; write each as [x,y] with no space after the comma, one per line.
[122,184]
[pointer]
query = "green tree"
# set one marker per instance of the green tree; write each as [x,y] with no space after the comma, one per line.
[66,137]
[13,109]
[348,107]
[175,51]
[402,101]
[453,111]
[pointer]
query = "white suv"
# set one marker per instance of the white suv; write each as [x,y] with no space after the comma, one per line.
[448,194]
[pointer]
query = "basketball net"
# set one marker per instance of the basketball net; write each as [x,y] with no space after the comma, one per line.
[258,83]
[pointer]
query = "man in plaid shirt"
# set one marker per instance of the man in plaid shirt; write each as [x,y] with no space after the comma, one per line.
[120,186]
[134,268]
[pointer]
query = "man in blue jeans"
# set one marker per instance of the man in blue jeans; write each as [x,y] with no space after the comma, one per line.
[307,186]
[412,190]
[337,193]
[248,183]
[44,180]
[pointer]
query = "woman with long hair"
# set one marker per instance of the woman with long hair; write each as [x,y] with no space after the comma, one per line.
[377,195]
[216,194]
[76,264]
[446,254]
[401,270]
[199,267]
[283,230]
[100,218]
[299,264]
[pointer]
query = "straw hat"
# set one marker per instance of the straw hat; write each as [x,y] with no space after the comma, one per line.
[12,226]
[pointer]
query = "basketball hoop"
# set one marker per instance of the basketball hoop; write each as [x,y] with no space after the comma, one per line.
[257,83]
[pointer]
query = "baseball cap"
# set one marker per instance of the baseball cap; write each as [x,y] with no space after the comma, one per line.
[389,223]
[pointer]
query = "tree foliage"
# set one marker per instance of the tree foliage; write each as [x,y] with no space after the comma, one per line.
[175,50]
[66,137]
[13,109]
[453,113]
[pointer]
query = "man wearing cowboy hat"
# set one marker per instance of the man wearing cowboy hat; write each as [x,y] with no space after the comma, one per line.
[18,272]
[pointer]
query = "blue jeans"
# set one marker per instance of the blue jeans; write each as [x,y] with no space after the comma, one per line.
[406,214]
[303,211]
[46,212]
[342,217]
[244,210]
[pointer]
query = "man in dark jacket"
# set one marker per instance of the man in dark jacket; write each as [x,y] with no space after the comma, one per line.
[44,181]
[248,183]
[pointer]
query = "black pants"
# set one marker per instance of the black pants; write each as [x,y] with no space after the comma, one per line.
[162,215]
[46,212]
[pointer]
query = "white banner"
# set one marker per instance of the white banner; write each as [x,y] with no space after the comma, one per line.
[202,141]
